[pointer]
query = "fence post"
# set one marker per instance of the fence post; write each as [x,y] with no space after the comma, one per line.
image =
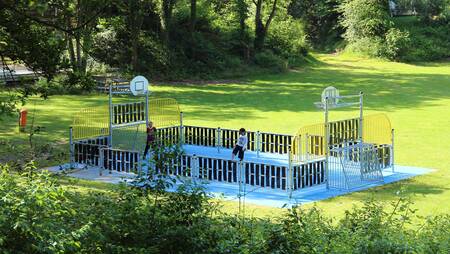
[241,175]
[307,147]
[139,165]
[71,148]
[181,129]
[289,182]
[258,143]
[219,138]
[194,166]
[101,163]
[111,109]
[392,151]
[327,137]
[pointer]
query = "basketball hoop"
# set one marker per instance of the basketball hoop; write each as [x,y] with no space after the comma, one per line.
[139,85]
[330,97]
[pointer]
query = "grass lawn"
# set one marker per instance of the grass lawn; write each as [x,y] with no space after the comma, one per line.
[415,97]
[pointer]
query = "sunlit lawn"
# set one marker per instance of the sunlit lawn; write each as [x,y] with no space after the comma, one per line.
[415,97]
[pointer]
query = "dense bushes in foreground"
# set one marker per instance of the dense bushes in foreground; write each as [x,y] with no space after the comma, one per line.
[37,215]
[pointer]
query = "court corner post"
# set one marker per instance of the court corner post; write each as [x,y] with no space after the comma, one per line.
[181,129]
[258,143]
[71,148]
[290,183]
[219,138]
[392,151]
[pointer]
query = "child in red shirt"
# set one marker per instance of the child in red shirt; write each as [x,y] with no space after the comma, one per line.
[151,132]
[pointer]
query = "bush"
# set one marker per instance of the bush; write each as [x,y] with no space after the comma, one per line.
[269,60]
[37,215]
[396,44]
[320,19]
[370,30]
[427,42]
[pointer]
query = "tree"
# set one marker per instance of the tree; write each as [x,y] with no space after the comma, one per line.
[261,27]
[70,21]
[166,19]
[39,47]
[320,20]
[241,8]
[193,16]
[135,11]
[365,19]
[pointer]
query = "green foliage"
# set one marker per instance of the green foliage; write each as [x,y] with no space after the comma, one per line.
[37,215]
[427,42]
[289,41]
[320,21]
[365,19]
[396,43]
[370,29]
[269,60]
[39,47]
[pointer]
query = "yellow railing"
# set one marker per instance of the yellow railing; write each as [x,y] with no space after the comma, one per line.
[309,141]
[94,121]
[91,122]
[377,129]
[164,112]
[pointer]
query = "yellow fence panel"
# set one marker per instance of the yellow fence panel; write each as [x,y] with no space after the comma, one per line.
[164,112]
[377,129]
[91,122]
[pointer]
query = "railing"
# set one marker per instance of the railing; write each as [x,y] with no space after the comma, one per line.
[88,151]
[226,138]
[251,173]
[128,112]
[309,174]
[309,143]
[120,160]
[354,165]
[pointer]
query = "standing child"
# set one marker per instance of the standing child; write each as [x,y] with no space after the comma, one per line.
[241,145]
[151,131]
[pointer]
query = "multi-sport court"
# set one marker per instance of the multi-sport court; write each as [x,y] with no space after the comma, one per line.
[318,161]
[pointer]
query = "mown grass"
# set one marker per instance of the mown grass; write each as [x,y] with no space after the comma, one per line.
[415,97]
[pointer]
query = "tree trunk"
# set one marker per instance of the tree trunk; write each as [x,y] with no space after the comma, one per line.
[78,46]
[242,10]
[261,28]
[136,19]
[193,16]
[72,53]
[166,19]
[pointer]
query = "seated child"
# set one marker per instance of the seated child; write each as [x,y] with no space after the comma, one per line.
[241,145]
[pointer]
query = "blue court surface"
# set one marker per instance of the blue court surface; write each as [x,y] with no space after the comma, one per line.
[225,153]
[255,195]
[279,198]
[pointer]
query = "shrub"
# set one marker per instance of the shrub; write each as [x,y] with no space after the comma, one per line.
[267,59]
[365,19]
[396,44]
[37,215]
[370,29]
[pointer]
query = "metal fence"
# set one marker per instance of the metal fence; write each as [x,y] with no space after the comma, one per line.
[128,112]
[252,173]
[88,151]
[354,165]
[90,123]
[226,138]
[120,160]
[309,143]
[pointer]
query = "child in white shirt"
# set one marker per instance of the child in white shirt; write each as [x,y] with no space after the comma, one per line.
[241,145]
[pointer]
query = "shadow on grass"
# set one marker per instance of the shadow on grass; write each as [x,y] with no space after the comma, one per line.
[297,92]
[392,191]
